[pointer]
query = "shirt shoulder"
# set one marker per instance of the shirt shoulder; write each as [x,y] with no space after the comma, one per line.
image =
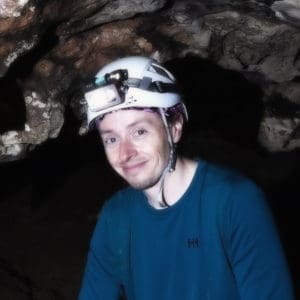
[225,178]
[227,192]
[120,203]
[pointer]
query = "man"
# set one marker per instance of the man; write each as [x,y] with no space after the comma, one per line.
[184,229]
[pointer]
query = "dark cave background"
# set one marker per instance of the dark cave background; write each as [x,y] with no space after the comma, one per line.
[66,180]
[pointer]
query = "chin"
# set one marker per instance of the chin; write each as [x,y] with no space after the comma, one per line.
[145,184]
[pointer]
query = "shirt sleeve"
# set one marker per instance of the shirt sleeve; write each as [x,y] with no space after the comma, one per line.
[99,280]
[255,251]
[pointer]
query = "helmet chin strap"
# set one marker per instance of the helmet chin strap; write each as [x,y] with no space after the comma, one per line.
[172,159]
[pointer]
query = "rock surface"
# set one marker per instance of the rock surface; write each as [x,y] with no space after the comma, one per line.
[259,39]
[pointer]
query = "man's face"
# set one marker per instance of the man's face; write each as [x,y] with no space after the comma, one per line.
[136,146]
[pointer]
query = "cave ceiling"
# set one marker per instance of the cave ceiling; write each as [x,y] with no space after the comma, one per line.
[49,48]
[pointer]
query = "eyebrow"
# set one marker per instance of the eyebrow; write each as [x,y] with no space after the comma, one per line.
[142,120]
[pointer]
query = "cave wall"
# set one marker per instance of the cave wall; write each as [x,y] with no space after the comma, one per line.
[48,48]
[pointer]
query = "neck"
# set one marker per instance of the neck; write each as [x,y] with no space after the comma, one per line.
[173,185]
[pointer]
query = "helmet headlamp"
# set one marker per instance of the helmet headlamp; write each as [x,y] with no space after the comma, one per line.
[103,97]
[106,91]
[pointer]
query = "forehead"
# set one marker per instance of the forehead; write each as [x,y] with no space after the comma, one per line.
[125,118]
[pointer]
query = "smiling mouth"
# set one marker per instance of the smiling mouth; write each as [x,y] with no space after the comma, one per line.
[133,169]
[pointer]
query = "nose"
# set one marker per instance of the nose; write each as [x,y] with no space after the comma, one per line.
[126,151]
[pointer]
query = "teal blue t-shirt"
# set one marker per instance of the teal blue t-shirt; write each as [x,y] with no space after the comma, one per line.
[217,242]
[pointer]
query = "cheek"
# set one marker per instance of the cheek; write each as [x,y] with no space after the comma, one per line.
[163,148]
[110,155]
[166,150]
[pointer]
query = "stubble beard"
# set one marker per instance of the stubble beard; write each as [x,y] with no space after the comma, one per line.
[145,184]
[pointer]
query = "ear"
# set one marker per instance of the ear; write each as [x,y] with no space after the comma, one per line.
[176,128]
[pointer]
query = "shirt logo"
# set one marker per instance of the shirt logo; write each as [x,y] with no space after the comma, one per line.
[193,242]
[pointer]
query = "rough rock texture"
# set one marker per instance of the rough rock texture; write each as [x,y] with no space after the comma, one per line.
[260,39]
[238,61]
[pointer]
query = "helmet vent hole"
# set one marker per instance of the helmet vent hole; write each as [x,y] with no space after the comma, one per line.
[159,70]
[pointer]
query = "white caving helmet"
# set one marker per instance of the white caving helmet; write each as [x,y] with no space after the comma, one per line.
[131,82]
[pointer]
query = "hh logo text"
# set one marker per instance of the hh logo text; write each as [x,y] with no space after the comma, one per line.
[193,242]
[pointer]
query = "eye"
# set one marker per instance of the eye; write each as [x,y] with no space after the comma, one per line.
[140,132]
[109,140]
